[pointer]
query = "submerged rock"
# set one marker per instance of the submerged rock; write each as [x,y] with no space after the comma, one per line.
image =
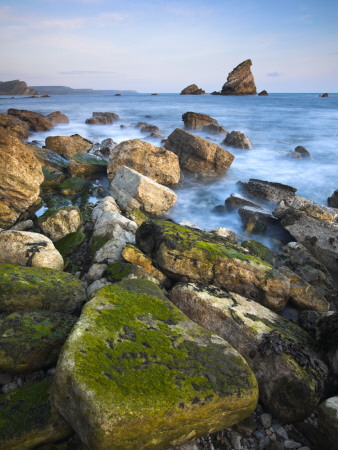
[240,81]
[192,89]
[237,139]
[274,192]
[155,378]
[72,186]
[237,201]
[67,146]
[196,121]
[70,243]
[52,178]
[102,118]
[302,152]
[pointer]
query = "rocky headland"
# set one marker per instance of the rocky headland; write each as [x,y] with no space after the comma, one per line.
[16,87]
[121,329]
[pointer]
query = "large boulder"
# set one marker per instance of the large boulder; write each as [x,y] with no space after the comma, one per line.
[137,373]
[32,288]
[192,89]
[67,146]
[197,154]
[49,158]
[187,254]
[237,139]
[268,190]
[20,180]
[196,121]
[14,125]
[36,121]
[86,165]
[29,249]
[133,190]
[56,224]
[290,376]
[313,225]
[57,117]
[240,81]
[157,163]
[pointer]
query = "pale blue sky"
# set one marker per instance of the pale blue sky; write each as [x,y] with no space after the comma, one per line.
[162,46]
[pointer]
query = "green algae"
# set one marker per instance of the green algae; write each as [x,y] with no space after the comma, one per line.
[117,271]
[89,159]
[72,186]
[70,243]
[98,242]
[52,178]
[256,248]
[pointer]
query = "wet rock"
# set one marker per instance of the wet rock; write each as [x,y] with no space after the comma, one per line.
[14,125]
[21,176]
[302,152]
[157,163]
[134,190]
[86,165]
[192,89]
[148,128]
[57,117]
[226,234]
[67,146]
[72,186]
[327,336]
[102,118]
[175,370]
[240,81]
[263,93]
[333,200]
[325,94]
[49,158]
[237,201]
[36,121]
[52,178]
[290,376]
[263,215]
[260,250]
[196,121]
[214,129]
[328,419]
[198,155]
[107,145]
[57,224]
[237,139]
[70,243]
[274,192]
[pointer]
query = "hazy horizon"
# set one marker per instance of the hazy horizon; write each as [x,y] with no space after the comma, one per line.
[164,46]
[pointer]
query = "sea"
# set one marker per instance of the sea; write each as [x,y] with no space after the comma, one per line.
[275,125]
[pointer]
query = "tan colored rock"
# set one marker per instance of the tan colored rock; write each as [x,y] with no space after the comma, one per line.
[192,89]
[240,81]
[197,154]
[67,146]
[36,121]
[237,139]
[157,163]
[29,249]
[14,125]
[57,117]
[20,180]
[134,190]
[63,221]
[196,121]
[16,87]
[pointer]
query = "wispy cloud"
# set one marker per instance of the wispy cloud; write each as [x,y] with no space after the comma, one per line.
[274,74]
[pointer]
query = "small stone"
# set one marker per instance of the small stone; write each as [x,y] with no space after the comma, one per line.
[291,444]
[5,378]
[263,443]
[235,439]
[51,371]
[279,430]
[10,387]
[266,419]
[259,435]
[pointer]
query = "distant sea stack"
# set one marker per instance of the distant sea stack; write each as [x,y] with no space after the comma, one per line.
[240,81]
[263,93]
[193,89]
[16,87]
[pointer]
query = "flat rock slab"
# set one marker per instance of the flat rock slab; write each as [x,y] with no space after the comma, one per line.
[137,373]
[268,190]
[290,376]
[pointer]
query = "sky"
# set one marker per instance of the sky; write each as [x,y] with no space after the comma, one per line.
[163,46]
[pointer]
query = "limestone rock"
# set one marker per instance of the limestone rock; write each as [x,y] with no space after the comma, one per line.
[157,163]
[56,224]
[197,154]
[154,378]
[260,214]
[32,340]
[273,192]
[192,89]
[214,129]
[240,81]
[226,234]
[237,139]
[258,249]
[21,176]
[148,128]
[16,126]
[134,190]
[36,121]
[275,348]
[333,200]
[57,117]
[67,146]
[196,121]
[187,254]
[86,165]
[328,419]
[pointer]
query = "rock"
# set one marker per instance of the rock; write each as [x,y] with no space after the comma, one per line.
[94,287]
[29,249]
[226,234]
[290,376]
[197,154]
[57,117]
[214,129]
[16,87]
[327,336]
[52,178]
[300,150]
[325,94]
[187,254]
[291,444]
[134,190]
[36,121]
[102,118]
[56,224]
[148,128]
[70,243]
[237,139]
[157,379]
[263,93]
[5,378]
[196,121]
[192,89]
[125,271]
[333,200]
[32,288]
[72,186]
[14,125]
[273,192]
[258,249]
[21,176]
[28,420]
[32,340]
[240,81]
[157,163]
[137,216]
[95,272]
[328,419]
[237,201]
[23,226]
[67,146]
[313,225]
[107,145]
[85,165]
[49,158]
[260,214]
[266,420]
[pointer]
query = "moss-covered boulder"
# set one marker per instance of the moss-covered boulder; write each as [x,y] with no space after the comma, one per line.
[28,420]
[137,216]
[263,252]
[32,288]
[119,271]
[72,186]
[188,254]
[48,158]
[85,166]
[56,224]
[70,243]
[290,375]
[31,340]
[52,178]
[136,373]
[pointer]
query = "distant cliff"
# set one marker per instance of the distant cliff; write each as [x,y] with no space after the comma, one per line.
[16,87]
[68,90]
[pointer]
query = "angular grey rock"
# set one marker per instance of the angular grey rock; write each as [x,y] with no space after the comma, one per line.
[237,139]
[274,192]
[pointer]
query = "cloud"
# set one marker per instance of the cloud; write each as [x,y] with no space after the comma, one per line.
[274,74]
[86,72]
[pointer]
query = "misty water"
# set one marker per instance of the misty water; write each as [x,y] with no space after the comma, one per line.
[275,125]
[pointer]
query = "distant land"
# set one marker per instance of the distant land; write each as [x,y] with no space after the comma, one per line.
[69,90]
[16,87]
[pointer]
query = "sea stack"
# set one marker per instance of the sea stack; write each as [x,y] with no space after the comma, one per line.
[240,81]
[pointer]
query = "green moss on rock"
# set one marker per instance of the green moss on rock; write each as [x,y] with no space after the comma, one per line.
[72,186]
[70,243]
[256,248]
[117,271]
[52,179]
[89,159]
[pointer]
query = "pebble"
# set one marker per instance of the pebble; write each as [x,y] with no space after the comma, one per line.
[280,431]
[291,444]
[259,435]
[266,420]
[235,439]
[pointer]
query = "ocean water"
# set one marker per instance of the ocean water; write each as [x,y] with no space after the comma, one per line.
[275,125]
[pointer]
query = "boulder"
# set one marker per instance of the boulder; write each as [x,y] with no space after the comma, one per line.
[49,158]
[32,288]
[36,121]
[290,376]
[125,271]
[226,234]
[86,165]
[134,190]
[28,420]
[258,249]
[67,146]
[273,192]
[240,81]
[16,126]
[327,336]
[260,214]
[137,373]
[263,93]
[214,129]
[106,146]
[157,163]
[52,179]
[198,155]
[313,225]
[57,117]
[302,152]
[325,95]
[333,200]
[29,249]
[70,243]
[21,176]
[187,254]
[237,201]
[237,139]
[32,340]
[328,419]
[148,128]
[102,118]
[56,224]
[192,89]
[196,121]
